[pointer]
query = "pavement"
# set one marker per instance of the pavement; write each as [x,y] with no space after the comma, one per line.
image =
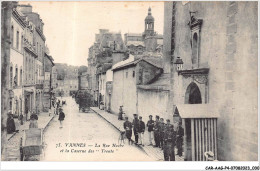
[13,143]
[86,137]
[118,124]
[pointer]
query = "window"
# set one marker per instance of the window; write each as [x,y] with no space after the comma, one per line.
[12,36]
[126,74]
[21,77]
[11,77]
[16,77]
[22,44]
[133,73]
[17,40]
[194,49]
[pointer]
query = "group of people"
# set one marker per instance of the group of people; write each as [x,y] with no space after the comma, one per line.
[12,127]
[57,105]
[163,134]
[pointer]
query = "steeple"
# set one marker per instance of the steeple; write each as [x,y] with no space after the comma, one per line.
[149,23]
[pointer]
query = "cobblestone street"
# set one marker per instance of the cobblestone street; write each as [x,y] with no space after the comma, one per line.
[91,129]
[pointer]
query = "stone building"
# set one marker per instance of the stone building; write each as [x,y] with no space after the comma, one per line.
[217,42]
[127,76]
[39,43]
[67,80]
[146,42]
[18,27]
[107,48]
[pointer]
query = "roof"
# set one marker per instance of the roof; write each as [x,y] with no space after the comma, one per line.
[196,110]
[129,64]
[135,43]
[157,62]
[162,83]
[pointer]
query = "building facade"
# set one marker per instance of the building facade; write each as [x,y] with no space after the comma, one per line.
[217,63]
[18,27]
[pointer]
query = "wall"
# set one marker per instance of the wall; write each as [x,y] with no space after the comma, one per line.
[124,92]
[167,36]
[228,48]
[152,102]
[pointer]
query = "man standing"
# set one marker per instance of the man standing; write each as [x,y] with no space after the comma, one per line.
[128,129]
[150,125]
[120,114]
[169,142]
[61,117]
[136,126]
[156,132]
[141,130]
[161,131]
[10,123]
[179,140]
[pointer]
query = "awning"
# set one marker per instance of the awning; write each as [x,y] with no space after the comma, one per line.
[196,111]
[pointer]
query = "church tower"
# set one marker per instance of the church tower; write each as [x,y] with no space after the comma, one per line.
[149,24]
[149,36]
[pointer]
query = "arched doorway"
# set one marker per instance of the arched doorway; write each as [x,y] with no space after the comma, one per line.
[193,95]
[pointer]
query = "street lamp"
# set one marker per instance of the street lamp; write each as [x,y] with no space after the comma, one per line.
[178,64]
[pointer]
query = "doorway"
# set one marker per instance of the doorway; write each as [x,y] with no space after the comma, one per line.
[192,96]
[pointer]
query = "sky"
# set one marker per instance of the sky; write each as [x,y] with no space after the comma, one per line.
[70,27]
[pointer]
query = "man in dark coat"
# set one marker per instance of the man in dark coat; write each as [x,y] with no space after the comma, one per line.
[150,125]
[141,130]
[10,123]
[156,132]
[128,129]
[179,140]
[136,127]
[161,132]
[169,144]
[61,117]
[120,114]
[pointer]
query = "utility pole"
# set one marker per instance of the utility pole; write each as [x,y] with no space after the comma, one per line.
[5,65]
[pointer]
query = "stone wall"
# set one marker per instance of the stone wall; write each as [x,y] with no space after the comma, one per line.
[228,47]
[153,102]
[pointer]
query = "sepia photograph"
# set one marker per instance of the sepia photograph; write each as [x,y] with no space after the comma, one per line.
[129,81]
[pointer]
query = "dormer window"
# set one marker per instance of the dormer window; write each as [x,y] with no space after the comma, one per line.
[195,26]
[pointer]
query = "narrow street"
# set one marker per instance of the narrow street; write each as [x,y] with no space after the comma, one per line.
[92,132]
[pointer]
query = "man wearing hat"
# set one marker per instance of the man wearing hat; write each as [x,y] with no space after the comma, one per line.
[156,132]
[128,129]
[141,130]
[150,125]
[135,124]
[169,143]
[179,139]
[161,131]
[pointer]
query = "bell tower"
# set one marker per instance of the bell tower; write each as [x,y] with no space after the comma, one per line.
[149,24]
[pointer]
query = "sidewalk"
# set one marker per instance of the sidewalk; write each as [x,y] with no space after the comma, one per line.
[13,144]
[156,153]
